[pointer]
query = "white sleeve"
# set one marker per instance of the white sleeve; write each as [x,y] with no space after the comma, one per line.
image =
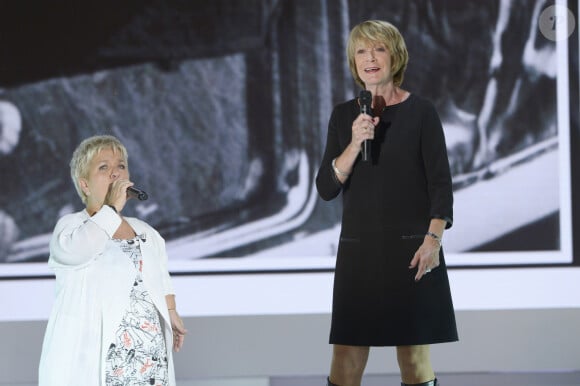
[77,239]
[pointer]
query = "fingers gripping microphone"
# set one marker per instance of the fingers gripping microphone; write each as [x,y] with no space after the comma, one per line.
[365,100]
[137,193]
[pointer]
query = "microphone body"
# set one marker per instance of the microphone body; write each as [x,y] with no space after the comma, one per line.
[137,193]
[365,101]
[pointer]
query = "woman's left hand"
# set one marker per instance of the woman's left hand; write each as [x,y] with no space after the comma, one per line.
[426,258]
[178,329]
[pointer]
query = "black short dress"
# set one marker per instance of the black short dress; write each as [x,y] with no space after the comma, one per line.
[388,203]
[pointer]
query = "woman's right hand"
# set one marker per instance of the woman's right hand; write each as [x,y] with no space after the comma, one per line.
[363,128]
[117,194]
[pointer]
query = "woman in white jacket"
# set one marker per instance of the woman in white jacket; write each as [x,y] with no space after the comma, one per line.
[114,319]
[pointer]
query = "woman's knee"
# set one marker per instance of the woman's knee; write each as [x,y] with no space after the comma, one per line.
[415,364]
[351,359]
[413,358]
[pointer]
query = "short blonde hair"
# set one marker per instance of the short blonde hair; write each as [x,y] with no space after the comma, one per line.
[381,32]
[84,153]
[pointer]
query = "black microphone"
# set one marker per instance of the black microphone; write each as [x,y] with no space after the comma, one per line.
[137,193]
[365,99]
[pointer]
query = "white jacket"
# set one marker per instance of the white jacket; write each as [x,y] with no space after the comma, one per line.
[93,281]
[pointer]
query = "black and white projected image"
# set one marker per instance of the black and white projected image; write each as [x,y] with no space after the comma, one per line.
[225,127]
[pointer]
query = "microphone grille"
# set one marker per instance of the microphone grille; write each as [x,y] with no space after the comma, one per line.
[365,97]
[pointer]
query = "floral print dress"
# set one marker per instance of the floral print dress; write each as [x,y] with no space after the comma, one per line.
[138,356]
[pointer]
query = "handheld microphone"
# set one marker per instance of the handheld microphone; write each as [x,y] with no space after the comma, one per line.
[365,99]
[137,193]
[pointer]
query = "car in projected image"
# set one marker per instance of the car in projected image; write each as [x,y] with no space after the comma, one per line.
[226,131]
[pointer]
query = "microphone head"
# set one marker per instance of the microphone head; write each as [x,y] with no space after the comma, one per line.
[142,196]
[137,193]
[365,100]
[365,96]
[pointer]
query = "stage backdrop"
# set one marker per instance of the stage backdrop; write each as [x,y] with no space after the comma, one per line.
[224,105]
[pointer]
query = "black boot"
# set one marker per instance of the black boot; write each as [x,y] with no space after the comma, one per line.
[428,383]
[328,383]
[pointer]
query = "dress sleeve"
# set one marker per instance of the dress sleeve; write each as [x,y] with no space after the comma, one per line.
[327,183]
[436,164]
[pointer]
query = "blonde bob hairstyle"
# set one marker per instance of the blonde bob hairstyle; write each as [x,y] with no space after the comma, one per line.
[373,32]
[84,153]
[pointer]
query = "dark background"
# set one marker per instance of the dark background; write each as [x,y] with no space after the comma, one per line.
[223,106]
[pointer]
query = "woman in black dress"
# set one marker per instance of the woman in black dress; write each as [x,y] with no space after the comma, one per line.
[391,286]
